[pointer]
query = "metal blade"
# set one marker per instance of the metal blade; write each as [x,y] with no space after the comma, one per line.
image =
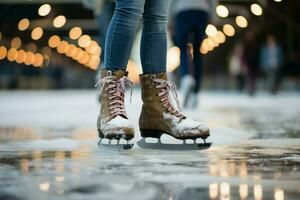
[178,147]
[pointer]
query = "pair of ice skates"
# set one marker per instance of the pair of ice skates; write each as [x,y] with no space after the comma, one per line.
[158,116]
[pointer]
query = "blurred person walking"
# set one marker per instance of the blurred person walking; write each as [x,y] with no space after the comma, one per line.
[271,60]
[188,20]
[250,56]
[158,116]
[237,66]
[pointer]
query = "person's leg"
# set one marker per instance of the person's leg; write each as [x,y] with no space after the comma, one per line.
[198,34]
[154,36]
[121,33]
[182,29]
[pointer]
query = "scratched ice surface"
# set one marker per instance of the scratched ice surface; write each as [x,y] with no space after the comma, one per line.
[48,150]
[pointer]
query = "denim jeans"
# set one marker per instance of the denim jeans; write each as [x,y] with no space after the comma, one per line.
[122,31]
[191,24]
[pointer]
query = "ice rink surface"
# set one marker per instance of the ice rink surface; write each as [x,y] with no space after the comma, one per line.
[48,150]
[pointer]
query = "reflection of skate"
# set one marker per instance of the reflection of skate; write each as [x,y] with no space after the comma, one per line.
[113,123]
[159,116]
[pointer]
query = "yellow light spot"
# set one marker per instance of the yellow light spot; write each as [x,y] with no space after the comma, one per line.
[3,52]
[241,21]
[84,41]
[38,60]
[54,41]
[23,24]
[220,37]
[133,71]
[211,30]
[63,47]
[21,56]
[222,11]
[71,50]
[256,9]
[44,10]
[16,42]
[59,21]
[228,30]
[37,33]
[75,33]
[93,47]
[29,60]
[12,54]
[31,47]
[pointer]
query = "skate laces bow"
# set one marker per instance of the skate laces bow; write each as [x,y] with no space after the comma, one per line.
[117,90]
[167,88]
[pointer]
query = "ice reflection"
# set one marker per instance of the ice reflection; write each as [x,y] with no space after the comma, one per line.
[213,190]
[248,181]
[258,192]
[243,190]
[278,194]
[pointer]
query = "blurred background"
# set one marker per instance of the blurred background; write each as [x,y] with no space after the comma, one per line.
[59,44]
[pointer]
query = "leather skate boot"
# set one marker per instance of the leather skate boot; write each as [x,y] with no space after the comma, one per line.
[113,122]
[159,116]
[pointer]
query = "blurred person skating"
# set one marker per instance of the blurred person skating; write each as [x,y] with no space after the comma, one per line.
[271,60]
[251,54]
[189,19]
[158,115]
[237,66]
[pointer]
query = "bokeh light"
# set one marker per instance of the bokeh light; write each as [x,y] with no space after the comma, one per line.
[23,24]
[59,21]
[75,33]
[222,11]
[29,58]
[37,33]
[84,41]
[21,56]
[16,42]
[12,54]
[38,60]
[241,21]
[44,10]
[63,47]
[54,41]
[31,47]
[256,9]
[220,37]
[3,52]
[211,30]
[228,30]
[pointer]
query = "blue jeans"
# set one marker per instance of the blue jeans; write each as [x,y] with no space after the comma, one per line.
[122,31]
[190,24]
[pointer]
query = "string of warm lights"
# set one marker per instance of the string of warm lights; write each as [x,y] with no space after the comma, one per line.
[87,53]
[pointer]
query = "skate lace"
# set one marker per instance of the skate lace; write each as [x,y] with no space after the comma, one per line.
[167,90]
[116,90]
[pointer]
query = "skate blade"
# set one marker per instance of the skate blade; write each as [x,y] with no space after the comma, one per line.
[114,144]
[175,147]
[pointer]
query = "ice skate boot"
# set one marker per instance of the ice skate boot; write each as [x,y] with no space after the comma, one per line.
[113,122]
[159,116]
